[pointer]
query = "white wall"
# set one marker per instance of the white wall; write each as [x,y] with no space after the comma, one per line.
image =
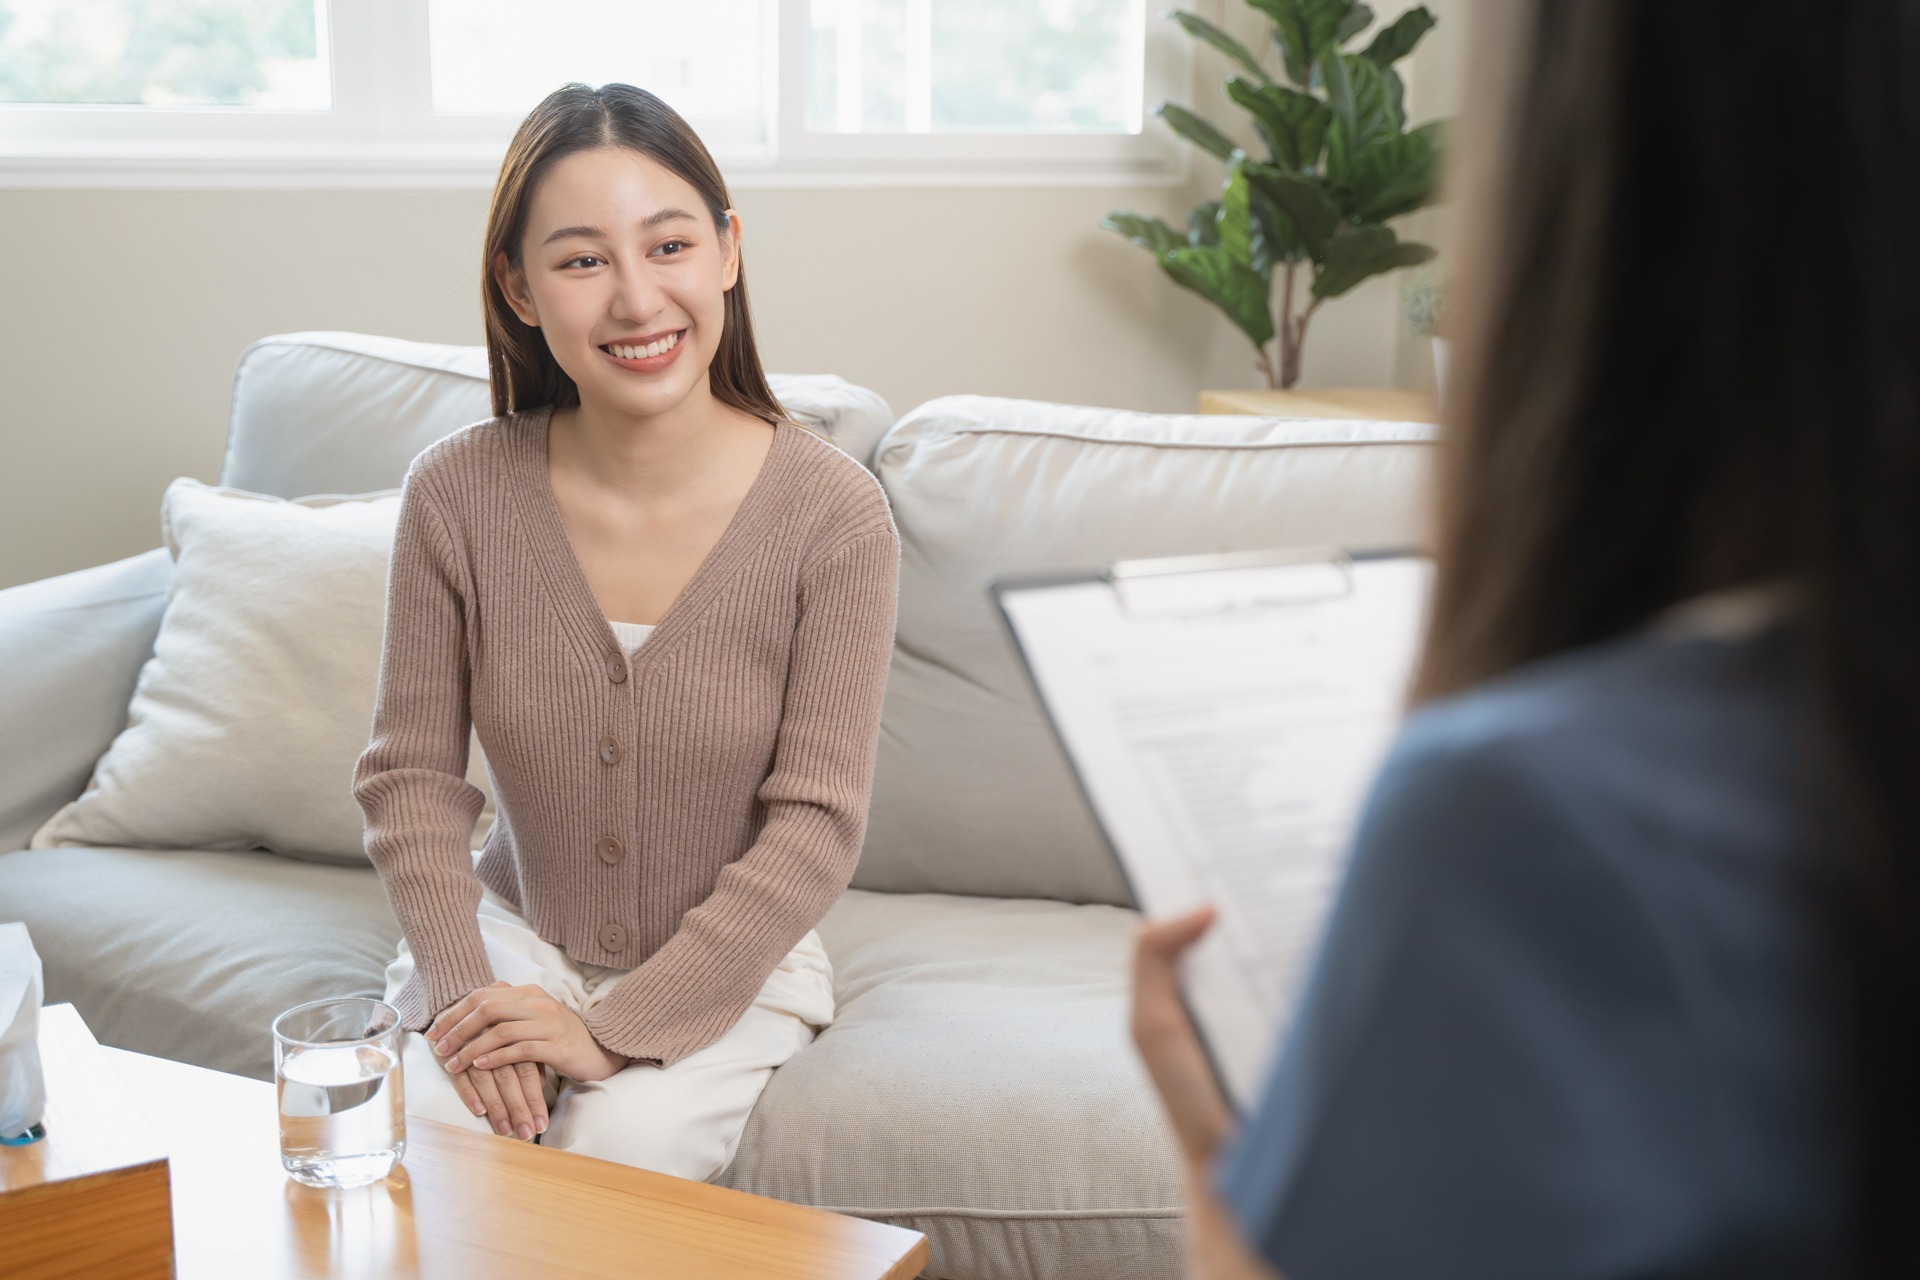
[127,309]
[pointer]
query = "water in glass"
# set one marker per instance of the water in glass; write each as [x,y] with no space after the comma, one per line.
[342,1107]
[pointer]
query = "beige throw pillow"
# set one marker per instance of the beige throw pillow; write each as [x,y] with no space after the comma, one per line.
[247,720]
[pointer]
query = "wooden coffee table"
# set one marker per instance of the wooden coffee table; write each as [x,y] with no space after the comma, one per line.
[463,1205]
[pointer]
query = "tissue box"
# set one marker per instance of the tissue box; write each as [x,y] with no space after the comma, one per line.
[92,1197]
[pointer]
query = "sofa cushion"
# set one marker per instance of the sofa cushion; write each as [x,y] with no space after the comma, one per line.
[246,721]
[72,648]
[346,412]
[971,792]
[978,1084]
[190,955]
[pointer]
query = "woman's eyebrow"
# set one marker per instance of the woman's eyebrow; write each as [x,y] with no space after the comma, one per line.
[652,220]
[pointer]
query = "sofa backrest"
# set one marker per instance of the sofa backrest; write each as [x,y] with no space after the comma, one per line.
[346,412]
[972,794]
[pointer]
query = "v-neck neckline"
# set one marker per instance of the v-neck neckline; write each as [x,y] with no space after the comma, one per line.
[568,577]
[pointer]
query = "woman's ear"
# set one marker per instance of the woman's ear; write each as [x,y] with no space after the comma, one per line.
[732,271]
[513,287]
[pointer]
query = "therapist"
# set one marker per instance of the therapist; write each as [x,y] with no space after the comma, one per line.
[1622,978]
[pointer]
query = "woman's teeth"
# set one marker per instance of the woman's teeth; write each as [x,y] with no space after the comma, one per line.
[651,349]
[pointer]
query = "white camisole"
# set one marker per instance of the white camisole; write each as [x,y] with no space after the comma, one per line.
[631,635]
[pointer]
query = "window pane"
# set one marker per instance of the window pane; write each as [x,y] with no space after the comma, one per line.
[503,56]
[974,66]
[249,53]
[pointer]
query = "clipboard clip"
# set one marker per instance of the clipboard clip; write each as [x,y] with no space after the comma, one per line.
[1193,586]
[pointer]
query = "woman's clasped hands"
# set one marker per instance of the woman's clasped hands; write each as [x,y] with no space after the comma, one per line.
[496,1041]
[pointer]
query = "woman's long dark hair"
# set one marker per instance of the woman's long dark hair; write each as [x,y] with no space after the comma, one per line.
[577,117]
[1690,358]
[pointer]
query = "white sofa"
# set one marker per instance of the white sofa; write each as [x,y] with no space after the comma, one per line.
[978,1084]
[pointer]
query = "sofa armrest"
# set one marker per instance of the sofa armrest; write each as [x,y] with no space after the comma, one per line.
[71,649]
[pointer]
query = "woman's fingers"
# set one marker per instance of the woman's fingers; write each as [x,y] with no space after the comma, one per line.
[533,1087]
[490,1041]
[488,1087]
[489,1010]
[457,1010]
[508,1055]
[1164,1035]
[519,1114]
[463,1085]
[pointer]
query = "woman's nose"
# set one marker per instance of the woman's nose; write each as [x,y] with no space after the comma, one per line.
[637,294]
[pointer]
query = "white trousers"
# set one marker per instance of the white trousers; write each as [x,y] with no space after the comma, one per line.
[685,1119]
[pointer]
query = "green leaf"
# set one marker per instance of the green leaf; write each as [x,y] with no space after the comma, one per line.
[1200,29]
[1357,21]
[1236,218]
[1367,101]
[1396,40]
[1305,27]
[1149,233]
[1359,253]
[1203,223]
[1232,286]
[1397,173]
[1276,240]
[1242,235]
[1199,132]
[1312,216]
[1291,123]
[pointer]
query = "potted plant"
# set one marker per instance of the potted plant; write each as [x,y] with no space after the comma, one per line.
[1423,296]
[1309,219]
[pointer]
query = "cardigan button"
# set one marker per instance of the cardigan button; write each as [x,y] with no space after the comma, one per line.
[613,937]
[610,850]
[616,670]
[610,750]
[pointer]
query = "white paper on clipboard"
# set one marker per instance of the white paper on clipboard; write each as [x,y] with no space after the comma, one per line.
[1225,716]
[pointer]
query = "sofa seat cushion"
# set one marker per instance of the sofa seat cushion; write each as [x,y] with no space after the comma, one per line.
[978,1084]
[191,954]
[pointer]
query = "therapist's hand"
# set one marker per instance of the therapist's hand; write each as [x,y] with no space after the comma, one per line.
[1165,1037]
[1202,1121]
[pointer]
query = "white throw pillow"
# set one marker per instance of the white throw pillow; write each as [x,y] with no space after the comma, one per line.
[247,720]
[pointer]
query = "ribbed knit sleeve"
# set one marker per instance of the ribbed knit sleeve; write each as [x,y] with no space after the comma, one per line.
[695,987]
[411,781]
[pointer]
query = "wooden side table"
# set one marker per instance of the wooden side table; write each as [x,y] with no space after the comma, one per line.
[464,1206]
[1387,406]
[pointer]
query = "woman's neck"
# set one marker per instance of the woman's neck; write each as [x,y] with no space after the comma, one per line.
[646,457]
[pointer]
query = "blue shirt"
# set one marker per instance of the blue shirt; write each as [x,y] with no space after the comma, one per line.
[1573,1014]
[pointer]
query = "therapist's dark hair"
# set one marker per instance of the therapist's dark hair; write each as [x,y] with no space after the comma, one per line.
[1689,358]
[576,117]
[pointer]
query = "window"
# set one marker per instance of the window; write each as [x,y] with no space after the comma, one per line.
[499,57]
[141,52]
[427,92]
[974,66]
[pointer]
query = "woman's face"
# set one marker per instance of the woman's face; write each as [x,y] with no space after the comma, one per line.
[620,258]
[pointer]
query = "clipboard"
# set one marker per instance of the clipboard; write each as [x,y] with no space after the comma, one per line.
[1224,716]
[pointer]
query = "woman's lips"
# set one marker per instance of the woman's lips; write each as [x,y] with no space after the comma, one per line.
[649,364]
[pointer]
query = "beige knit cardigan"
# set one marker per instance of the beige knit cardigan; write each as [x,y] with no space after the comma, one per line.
[688,813]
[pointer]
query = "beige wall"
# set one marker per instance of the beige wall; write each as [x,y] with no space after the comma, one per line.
[127,309]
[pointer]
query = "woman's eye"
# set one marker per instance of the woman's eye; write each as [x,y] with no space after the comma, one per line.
[674,244]
[585,257]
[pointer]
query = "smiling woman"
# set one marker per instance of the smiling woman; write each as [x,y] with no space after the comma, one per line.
[635,952]
[645,170]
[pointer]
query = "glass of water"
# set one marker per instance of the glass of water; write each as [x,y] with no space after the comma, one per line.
[336,1064]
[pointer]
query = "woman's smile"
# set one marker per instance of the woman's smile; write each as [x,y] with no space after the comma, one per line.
[648,357]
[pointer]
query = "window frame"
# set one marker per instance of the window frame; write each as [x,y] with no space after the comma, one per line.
[382,131]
